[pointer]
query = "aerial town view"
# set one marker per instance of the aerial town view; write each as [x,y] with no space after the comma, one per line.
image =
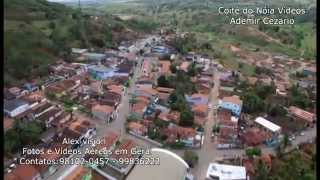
[159,90]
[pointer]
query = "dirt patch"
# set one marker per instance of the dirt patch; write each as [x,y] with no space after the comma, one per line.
[258,33]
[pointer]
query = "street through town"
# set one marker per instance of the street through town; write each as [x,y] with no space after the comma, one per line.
[208,152]
[117,126]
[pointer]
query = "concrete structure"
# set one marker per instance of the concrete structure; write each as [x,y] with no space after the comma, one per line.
[95,56]
[268,125]
[15,107]
[78,51]
[226,172]
[100,72]
[171,167]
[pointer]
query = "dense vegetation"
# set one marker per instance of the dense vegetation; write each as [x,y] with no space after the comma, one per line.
[22,134]
[298,164]
[38,32]
[213,33]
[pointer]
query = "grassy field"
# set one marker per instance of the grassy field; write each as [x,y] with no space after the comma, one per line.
[202,17]
[38,32]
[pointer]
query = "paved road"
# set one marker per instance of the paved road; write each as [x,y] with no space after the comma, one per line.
[209,153]
[206,153]
[117,126]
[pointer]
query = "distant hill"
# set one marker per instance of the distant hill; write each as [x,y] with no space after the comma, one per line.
[38,32]
[202,18]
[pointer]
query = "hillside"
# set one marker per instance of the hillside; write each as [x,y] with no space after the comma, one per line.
[38,32]
[201,17]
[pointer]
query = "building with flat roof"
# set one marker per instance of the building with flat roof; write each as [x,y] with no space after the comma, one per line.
[94,56]
[171,167]
[100,72]
[268,125]
[225,172]
[15,107]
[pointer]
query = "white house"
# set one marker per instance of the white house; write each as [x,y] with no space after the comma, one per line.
[15,107]
[225,172]
[270,126]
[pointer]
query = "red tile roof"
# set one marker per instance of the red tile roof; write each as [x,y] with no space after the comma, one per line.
[33,97]
[200,109]
[302,114]
[266,158]
[25,172]
[11,176]
[102,108]
[233,99]
[164,89]
[200,120]
[171,116]
[77,173]
[7,123]
[137,127]
[139,107]
[227,133]
[163,116]
[115,88]
[127,145]
[182,132]
[109,140]
[148,90]
[254,136]
[248,164]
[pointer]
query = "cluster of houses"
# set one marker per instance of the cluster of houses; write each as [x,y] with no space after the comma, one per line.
[59,125]
[261,130]
[150,101]
[95,83]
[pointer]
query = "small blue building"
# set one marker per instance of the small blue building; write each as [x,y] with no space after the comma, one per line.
[232,103]
[30,87]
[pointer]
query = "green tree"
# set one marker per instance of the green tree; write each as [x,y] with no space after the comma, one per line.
[23,133]
[192,70]
[299,97]
[191,158]
[261,171]
[252,103]
[277,110]
[52,25]
[163,81]
[186,118]
[177,101]
[12,142]
[264,90]
[215,128]
[251,152]
[173,68]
